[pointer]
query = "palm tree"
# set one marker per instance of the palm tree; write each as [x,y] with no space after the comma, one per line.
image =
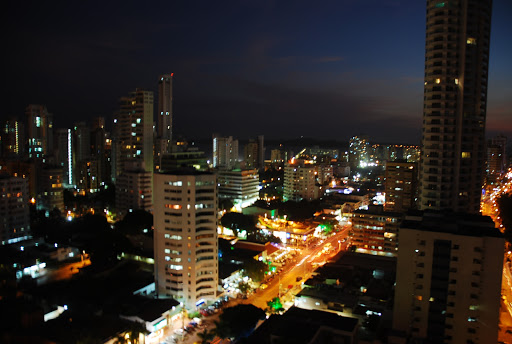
[136,329]
[221,329]
[120,339]
[206,336]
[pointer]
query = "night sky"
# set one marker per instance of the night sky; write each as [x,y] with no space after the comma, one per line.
[284,69]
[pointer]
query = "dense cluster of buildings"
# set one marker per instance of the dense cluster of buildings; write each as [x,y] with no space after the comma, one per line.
[428,232]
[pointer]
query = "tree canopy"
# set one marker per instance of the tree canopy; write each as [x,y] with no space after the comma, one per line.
[239,321]
[135,222]
[238,222]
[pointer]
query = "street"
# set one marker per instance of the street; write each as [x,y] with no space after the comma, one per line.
[301,267]
[63,272]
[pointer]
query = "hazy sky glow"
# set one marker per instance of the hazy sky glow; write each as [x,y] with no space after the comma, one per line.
[327,69]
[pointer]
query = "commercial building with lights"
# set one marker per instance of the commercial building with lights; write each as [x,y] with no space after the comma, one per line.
[448,281]
[240,186]
[455,102]
[14,212]
[185,236]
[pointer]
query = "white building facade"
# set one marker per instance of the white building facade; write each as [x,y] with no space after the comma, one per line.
[185,237]
[240,186]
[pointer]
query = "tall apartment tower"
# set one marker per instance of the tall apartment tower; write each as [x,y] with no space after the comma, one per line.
[448,283]
[455,101]
[133,131]
[165,110]
[225,152]
[185,237]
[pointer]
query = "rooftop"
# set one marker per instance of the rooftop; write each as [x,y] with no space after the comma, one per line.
[453,223]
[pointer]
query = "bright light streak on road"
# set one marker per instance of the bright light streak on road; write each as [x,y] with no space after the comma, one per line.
[304,259]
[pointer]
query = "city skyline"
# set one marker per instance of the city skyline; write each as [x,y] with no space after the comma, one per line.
[242,69]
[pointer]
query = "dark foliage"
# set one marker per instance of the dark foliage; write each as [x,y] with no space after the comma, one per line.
[239,321]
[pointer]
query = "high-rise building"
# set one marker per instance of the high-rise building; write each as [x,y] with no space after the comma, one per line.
[133,131]
[185,236]
[277,156]
[64,155]
[50,191]
[448,282]
[165,110]
[14,212]
[133,190]
[39,131]
[190,157]
[496,158]
[12,136]
[81,146]
[400,186]
[254,153]
[300,181]
[225,152]
[98,151]
[359,150]
[455,101]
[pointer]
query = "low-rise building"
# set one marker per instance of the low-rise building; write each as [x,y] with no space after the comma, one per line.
[302,326]
[240,186]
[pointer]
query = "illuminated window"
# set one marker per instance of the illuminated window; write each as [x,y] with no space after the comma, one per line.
[466,155]
[439,5]
[173,206]
[471,41]
[438,81]
[456,81]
